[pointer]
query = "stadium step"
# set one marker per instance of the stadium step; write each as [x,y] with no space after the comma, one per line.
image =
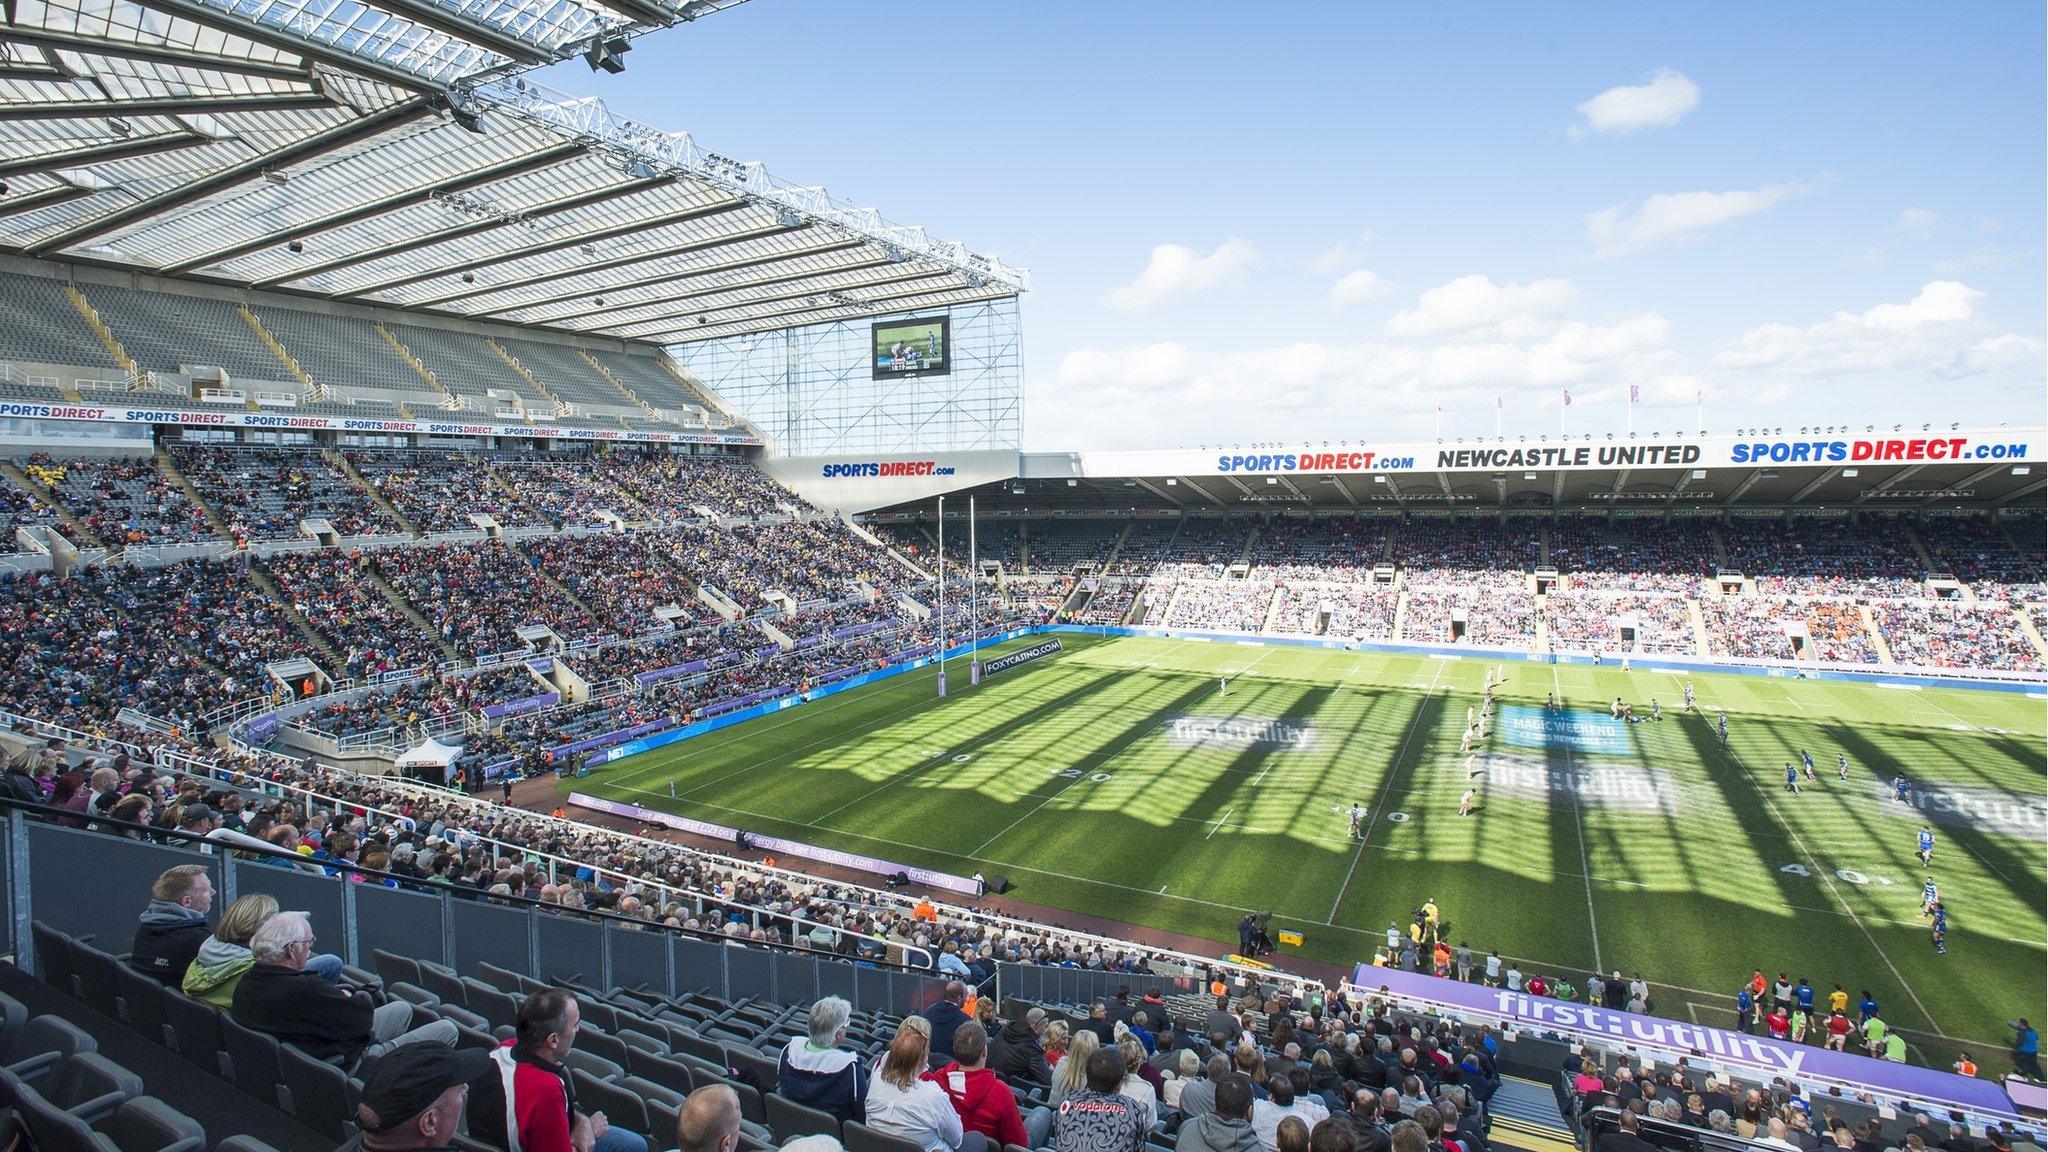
[321,644]
[170,469]
[277,348]
[1525,1117]
[74,528]
[522,371]
[1698,616]
[605,374]
[1109,562]
[1877,640]
[342,464]
[406,355]
[554,585]
[99,328]
[2032,633]
[410,611]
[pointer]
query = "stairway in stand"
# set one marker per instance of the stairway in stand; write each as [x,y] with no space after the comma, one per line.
[1525,1117]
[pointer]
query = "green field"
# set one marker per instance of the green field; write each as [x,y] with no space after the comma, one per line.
[1094,780]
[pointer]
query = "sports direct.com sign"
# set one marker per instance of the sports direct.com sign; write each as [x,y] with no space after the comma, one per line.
[1559,454]
[1713,1049]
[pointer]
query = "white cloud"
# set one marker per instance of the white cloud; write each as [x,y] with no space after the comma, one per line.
[1674,217]
[1916,222]
[1471,302]
[1175,269]
[1940,331]
[1664,100]
[1338,255]
[1358,287]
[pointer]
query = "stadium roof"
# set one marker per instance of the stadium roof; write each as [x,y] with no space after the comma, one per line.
[388,153]
[1818,468]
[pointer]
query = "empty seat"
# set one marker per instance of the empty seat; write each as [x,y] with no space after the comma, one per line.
[788,1120]
[489,1003]
[752,1065]
[53,956]
[196,1031]
[395,969]
[858,1137]
[46,1040]
[621,1108]
[322,1097]
[651,1066]
[503,979]
[142,1004]
[598,1044]
[242,1144]
[256,1063]
[443,983]
[413,993]
[597,1067]
[97,985]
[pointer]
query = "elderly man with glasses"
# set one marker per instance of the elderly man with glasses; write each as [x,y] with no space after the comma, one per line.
[282,997]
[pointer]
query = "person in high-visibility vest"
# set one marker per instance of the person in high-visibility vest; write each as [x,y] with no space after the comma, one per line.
[1966,1066]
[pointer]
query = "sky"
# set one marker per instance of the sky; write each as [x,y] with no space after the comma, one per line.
[1290,223]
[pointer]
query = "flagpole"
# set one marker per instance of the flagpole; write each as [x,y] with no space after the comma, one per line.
[1631,409]
[1699,412]
[973,602]
[1439,423]
[942,597]
[1496,417]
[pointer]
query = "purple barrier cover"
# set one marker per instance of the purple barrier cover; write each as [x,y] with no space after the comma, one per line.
[263,727]
[671,672]
[922,650]
[586,744]
[519,707]
[544,665]
[859,629]
[721,707]
[1737,1051]
[777,845]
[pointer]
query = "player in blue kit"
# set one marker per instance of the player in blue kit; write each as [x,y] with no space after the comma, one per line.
[1940,932]
[1791,779]
[1926,846]
[1902,791]
[1723,729]
[1807,759]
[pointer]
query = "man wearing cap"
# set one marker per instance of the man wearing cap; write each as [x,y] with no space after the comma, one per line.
[529,1092]
[413,1099]
[282,997]
[174,925]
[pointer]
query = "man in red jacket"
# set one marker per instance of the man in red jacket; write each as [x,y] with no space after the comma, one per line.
[984,1102]
[542,1116]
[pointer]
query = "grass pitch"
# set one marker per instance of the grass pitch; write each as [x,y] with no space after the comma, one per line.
[1115,778]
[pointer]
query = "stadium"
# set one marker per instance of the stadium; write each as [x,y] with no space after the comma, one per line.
[508,579]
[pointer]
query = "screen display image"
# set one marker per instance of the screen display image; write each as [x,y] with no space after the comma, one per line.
[912,347]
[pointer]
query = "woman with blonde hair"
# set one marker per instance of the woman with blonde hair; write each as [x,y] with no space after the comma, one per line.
[225,955]
[903,1103]
[1055,1042]
[1071,1075]
[1135,1085]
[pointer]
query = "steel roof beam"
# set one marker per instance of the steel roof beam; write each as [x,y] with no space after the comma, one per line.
[671,298]
[16,205]
[164,106]
[649,257]
[577,241]
[1826,474]
[459,232]
[429,15]
[758,324]
[2022,493]
[1897,478]
[714,310]
[200,14]
[48,38]
[519,167]
[319,144]
[640,11]
[1970,481]
[100,154]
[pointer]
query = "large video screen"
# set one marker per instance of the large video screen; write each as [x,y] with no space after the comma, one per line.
[913,347]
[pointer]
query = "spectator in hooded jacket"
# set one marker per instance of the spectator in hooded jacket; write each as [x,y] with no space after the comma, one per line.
[174,924]
[1016,1053]
[984,1102]
[818,1072]
[1225,1128]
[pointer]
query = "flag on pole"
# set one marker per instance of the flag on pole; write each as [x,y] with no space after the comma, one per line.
[1635,394]
[1499,403]
[1567,397]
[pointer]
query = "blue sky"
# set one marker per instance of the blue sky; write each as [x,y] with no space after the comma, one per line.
[1286,222]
